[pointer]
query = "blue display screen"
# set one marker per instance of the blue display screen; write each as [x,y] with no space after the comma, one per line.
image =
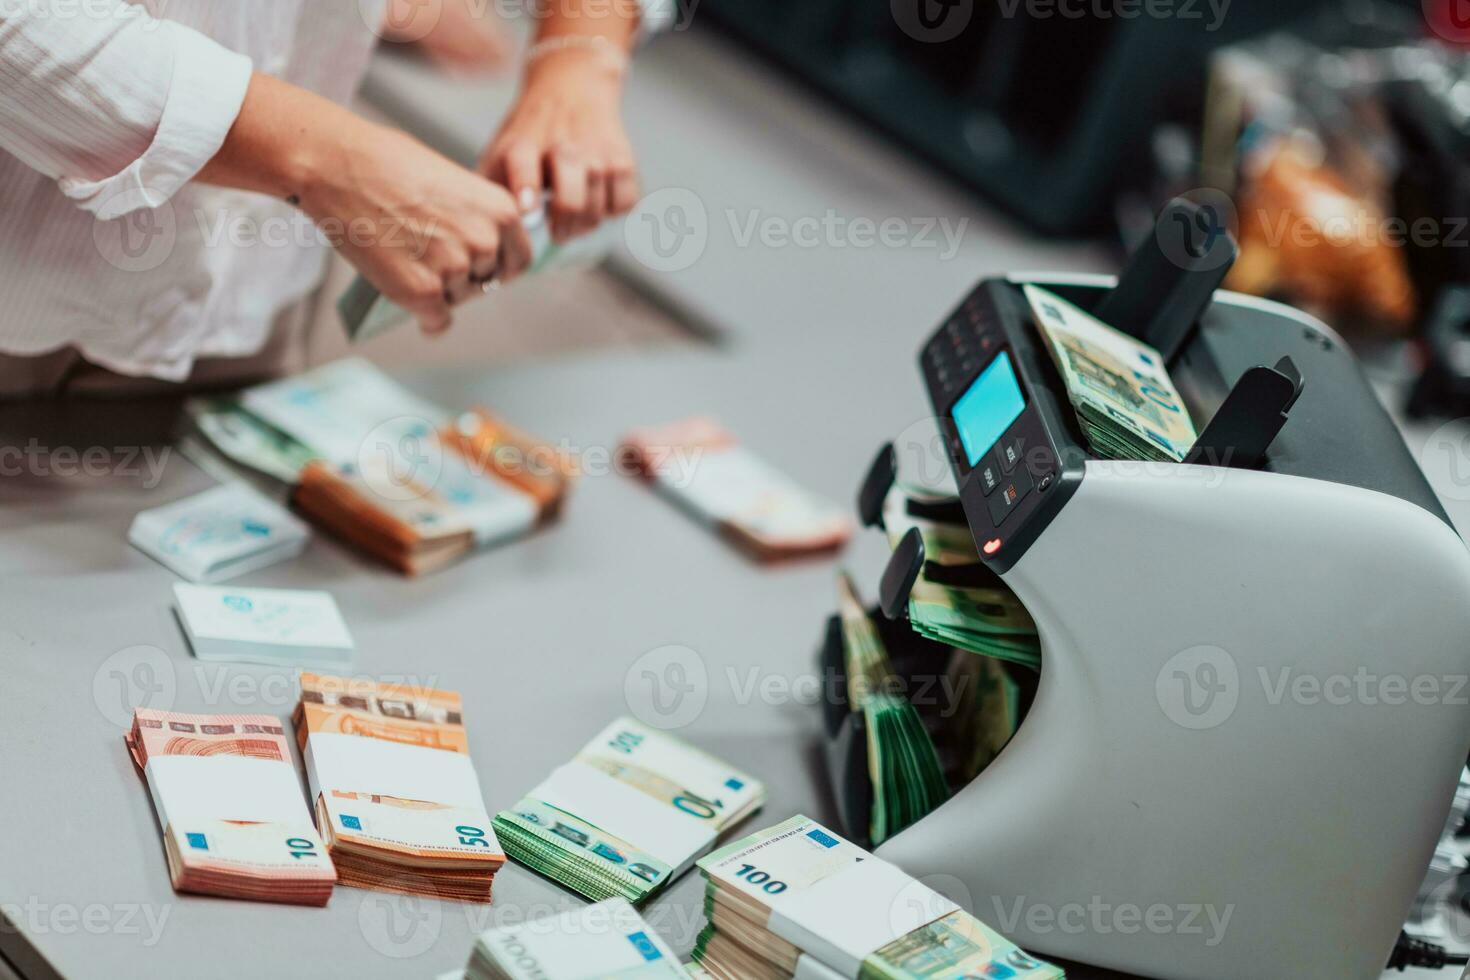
[983,413]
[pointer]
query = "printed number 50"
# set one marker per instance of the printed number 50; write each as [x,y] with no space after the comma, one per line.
[471,836]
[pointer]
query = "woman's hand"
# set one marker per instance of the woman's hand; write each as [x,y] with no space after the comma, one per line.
[565,138]
[426,231]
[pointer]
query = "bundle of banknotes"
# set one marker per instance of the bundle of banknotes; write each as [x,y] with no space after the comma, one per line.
[903,766]
[797,898]
[1118,385]
[227,797]
[629,814]
[704,469]
[395,793]
[264,626]
[391,474]
[608,939]
[222,532]
[956,600]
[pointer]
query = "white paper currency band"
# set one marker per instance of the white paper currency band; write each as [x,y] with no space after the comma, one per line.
[809,968]
[592,942]
[283,617]
[845,916]
[670,835]
[358,764]
[203,537]
[322,410]
[693,770]
[225,787]
[736,485]
[265,846]
[493,508]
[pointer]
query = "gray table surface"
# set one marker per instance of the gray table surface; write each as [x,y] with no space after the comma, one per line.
[543,637]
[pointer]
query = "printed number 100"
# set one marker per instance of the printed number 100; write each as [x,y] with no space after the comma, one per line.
[760,878]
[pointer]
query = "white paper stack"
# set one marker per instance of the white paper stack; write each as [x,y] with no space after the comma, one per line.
[218,534]
[264,626]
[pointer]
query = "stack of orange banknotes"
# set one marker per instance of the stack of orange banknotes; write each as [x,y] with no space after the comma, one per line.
[395,793]
[229,801]
[473,482]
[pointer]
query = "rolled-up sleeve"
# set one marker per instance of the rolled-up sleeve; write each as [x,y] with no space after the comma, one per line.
[120,108]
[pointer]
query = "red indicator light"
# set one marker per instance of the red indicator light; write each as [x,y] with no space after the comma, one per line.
[991,546]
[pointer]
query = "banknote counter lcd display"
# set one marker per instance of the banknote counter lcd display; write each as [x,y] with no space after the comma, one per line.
[984,412]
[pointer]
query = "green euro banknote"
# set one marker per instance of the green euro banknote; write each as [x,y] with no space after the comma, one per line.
[1119,386]
[248,440]
[991,622]
[630,813]
[982,718]
[903,767]
[761,921]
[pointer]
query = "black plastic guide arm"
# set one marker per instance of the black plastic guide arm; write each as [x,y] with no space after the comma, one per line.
[1250,417]
[900,574]
[876,486]
[1171,277]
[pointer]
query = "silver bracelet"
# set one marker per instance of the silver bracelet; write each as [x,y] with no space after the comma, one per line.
[593,43]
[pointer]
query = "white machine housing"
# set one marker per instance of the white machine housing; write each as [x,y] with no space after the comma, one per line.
[1250,718]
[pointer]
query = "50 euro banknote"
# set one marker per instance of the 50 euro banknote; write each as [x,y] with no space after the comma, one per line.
[229,802]
[629,814]
[396,795]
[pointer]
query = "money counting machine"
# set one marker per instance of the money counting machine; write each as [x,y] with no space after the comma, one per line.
[1246,730]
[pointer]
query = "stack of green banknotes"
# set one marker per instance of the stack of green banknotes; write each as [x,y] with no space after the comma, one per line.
[983,616]
[903,766]
[628,814]
[764,924]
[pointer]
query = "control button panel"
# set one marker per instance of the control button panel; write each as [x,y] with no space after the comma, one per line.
[966,343]
[1013,490]
[1008,453]
[988,473]
[991,385]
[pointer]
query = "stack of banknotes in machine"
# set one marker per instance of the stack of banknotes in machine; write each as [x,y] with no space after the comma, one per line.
[1119,386]
[797,899]
[930,725]
[396,796]
[629,814]
[229,802]
[382,469]
[608,939]
[903,765]
[705,470]
[956,599]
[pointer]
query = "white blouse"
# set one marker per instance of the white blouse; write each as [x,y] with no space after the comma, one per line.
[107,110]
